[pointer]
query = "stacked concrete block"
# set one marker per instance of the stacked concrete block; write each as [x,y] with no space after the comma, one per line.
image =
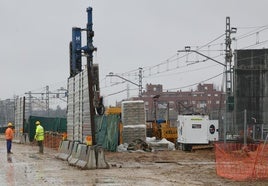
[24,138]
[78,115]
[86,128]
[133,119]
[18,117]
[77,107]
[133,132]
[70,107]
[80,106]
[133,112]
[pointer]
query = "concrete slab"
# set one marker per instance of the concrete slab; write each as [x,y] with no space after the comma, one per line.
[73,158]
[82,159]
[64,150]
[91,156]
[101,162]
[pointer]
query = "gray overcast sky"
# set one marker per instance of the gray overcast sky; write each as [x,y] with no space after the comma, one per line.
[129,34]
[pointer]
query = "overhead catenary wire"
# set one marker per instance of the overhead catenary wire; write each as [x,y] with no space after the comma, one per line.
[256,33]
[187,86]
[176,62]
[175,58]
[250,33]
[256,44]
[119,92]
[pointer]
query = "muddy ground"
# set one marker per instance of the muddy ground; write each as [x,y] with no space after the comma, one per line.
[27,167]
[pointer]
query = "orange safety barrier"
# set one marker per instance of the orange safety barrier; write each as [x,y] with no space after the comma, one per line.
[89,140]
[52,140]
[240,163]
[64,136]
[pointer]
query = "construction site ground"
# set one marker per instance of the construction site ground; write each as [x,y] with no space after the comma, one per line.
[26,167]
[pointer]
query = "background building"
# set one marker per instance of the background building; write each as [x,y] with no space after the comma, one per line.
[167,105]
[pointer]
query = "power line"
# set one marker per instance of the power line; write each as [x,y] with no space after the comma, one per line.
[250,33]
[251,27]
[174,58]
[174,62]
[158,73]
[196,83]
[257,44]
[121,91]
[183,72]
[212,40]
[112,94]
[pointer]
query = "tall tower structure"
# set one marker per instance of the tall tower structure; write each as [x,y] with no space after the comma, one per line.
[251,89]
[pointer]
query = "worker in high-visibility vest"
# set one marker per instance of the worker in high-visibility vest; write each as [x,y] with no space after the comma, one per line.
[9,133]
[39,136]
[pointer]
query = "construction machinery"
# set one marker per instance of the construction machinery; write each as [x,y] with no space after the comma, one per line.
[113,110]
[77,51]
[162,129]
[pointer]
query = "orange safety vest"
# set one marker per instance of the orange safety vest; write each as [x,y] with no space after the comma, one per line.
[9,133]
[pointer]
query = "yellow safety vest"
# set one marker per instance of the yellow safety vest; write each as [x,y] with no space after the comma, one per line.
[39,133]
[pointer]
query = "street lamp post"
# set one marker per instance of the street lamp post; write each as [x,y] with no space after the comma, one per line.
[155,99]
[111,74]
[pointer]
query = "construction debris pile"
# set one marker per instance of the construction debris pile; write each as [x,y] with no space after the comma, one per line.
[151,144]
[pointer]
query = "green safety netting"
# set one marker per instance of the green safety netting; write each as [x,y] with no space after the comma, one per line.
[107,132]
[3,129]
[49,124]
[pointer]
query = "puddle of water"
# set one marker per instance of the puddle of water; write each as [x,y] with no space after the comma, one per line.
[104,180]
[9,158]
[10,179]
[35,156]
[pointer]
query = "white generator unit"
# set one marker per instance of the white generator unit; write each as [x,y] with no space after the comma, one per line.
[196,130]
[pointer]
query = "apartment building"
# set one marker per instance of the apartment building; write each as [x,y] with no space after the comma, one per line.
[159,104]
